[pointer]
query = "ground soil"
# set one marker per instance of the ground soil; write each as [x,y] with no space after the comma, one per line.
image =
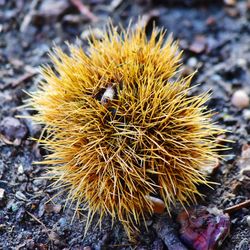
[215,38]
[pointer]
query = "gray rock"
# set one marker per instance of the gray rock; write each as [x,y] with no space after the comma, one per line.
[1,168]
[12,128]
[248,220]
[192,62]
[246,114]
[2,193]
[20,214]
[19,195]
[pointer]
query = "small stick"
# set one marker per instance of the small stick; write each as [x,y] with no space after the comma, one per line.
[237,207]
[37,220]
[27,19]
[84,10]
[166,232]
[22,78]
[19,80]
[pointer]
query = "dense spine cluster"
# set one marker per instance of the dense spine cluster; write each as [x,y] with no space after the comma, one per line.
[121,125]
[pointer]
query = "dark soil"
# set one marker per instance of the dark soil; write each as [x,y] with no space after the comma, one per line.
[215,38]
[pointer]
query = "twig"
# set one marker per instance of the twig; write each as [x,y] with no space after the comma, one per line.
[50,232]
[37,220]
[26,76]
[237,207]
[84,10]
[27,19]
[22,78]
[166,232]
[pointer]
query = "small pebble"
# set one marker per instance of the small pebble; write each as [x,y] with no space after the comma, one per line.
[246,114]
[20,214]
[19,195]
[87,248]
[22,178]
[1,169]
[53,236]
[192,62]
[50,8]
[2,191]
[49,208]
[63,223]
[216,78]
[234,221]
[39,182]
[199,45]
[240,99]
[248,220]
[14,206]
[12,128]
[20,169]
[241,62]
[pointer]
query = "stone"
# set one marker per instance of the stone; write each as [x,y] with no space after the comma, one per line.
[199,45]
[19,195]
[20,169]
[192,62]
[20,214]
[50,207]
[2,193]
[51,8]
[246,114]
[248,220]
[12,128]
[240,99]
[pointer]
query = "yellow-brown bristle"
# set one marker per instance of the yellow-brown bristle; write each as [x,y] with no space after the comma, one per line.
[121,126]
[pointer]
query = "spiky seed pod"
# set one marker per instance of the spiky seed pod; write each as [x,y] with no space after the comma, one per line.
[121,129]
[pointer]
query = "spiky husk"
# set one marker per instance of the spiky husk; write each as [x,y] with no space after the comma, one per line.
[149,138]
